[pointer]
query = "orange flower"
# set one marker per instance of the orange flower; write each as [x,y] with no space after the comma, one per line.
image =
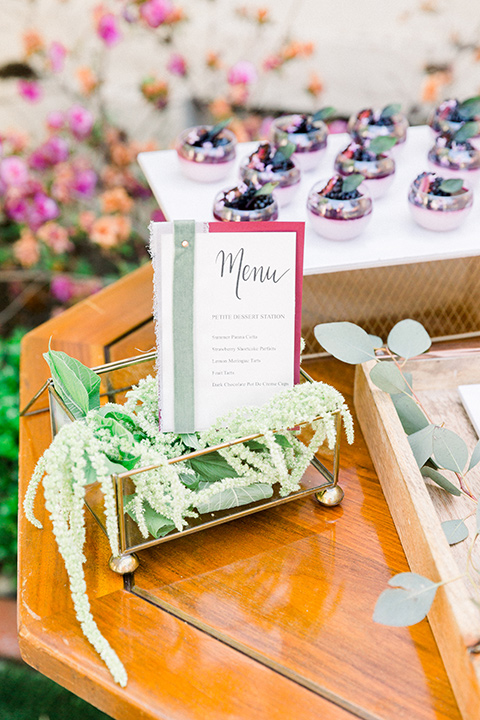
[109,230]
[433,83]
[88,81]
[220,108]
[213,61]
[32,42]
[121,154]
[17,140]
[315,86]
[85,220]
[116,200]
[262,16]
[55,237]
[26,249]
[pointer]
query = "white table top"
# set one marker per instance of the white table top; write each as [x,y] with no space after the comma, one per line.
[391,238]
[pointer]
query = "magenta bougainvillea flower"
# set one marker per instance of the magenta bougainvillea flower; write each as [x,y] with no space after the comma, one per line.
[13,171]
[108,30]
[177,65]
[56,54]
[155,12]
[30,90]
[80,121]
[242,73]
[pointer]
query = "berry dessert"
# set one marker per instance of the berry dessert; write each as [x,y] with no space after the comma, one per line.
[369,124]
[437,203]
[269,164]
[206,153]
[371,160]
[339,208]
[454,155]
[450,115]
[308,133]
[246,202]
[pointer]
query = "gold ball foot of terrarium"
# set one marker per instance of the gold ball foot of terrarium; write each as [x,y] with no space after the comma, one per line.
[330,496]
[123,564]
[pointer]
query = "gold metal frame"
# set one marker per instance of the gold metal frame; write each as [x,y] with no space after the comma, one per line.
[327,493]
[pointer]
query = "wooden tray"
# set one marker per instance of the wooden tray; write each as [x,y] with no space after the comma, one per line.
[418,507]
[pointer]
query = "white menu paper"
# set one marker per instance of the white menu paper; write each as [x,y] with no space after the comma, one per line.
[241,343]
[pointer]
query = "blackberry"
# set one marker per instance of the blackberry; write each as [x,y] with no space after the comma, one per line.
[248,200]
[435,188]
[305,126]
[362,154]
[216,141]
[384,121]
[336,193]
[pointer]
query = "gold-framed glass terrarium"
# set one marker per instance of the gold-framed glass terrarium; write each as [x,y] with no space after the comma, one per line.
[117,378]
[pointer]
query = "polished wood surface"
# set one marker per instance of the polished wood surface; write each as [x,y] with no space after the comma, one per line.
[266,617]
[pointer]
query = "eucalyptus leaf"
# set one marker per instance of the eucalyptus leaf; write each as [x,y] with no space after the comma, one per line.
[388,378]
[377,341]
[346,341]
[408,338]
[451,185]
[382,144]
[455,531]
[469,108]
[284,152]
[475,456]
[421,443]
[440,480]
[470,129]
[217,129]
[212,467]
[323,113]
[390,110]
[411,416]
[234,497]
[406,602]
[449,449]
[351,182]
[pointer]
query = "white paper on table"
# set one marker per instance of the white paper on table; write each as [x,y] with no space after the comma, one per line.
[470,396]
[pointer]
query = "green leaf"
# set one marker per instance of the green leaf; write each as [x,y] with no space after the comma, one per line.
[407,602]
[390,110]
[157,524]
[217,129]
[449,449]
[382,144]
[475,456]
[284,152]
[266,189]
[408,338]
[470,129]
[421,443]
[351,182]
[411,416]
[388,378]
[283,441]
[212,467]
[323,113]
[190,440]
[440,480]
[234,497]
[451,185]
[58,361]
[455,531]
[346,341]
[67,383]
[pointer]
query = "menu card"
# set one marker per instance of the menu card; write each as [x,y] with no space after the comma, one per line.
[227,306]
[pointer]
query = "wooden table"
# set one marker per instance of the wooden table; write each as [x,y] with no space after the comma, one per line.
[264,618]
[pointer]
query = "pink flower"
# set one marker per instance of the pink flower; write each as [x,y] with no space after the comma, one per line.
[107,28]
[44,209]
[29,90]
[56,54]
[26,249]
[84,182]
[242,73]
[17,209]
[155,12]
[62,288]
[13,171]
[55,237]
[80,121]
[177,65]
[55,120]
[52,152]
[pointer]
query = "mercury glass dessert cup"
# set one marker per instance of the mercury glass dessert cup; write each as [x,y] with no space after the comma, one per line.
[378,170]
[338,219]
[222,211]
[446,119]
[309,145]
[454,159]
[369,124]
[254,170]
[206,162]
[438,212]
